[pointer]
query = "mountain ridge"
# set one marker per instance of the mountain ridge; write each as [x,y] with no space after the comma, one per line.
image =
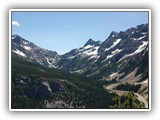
[114,66]
[94,57]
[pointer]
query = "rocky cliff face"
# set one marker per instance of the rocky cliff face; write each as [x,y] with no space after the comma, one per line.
[120,63]
[120,54]
[33,53]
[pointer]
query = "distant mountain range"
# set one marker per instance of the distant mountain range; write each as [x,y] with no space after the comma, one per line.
[128,49]
[122,57]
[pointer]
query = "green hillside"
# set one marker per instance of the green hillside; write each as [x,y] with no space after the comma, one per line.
[36,87]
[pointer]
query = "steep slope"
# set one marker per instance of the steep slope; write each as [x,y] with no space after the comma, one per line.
[121,60]
[116,57]
[79,60]
[120,54]
[126,52]
[33,53]
[36,87]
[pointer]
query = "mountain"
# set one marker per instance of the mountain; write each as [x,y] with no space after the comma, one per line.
[117,65]
[120,54]
[78,59]
[33,53]
[37,87]
[92,43]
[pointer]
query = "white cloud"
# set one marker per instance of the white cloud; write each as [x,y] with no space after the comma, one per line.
[16,23]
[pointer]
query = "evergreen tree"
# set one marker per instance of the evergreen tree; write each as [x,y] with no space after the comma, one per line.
[130,102]
[117,102]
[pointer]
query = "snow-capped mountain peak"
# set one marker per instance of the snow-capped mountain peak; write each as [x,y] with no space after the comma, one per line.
[120,50]
[31,52]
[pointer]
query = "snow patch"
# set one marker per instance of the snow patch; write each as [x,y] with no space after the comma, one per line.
[109,56]
[24,42]
[50,64]
[114,44]
[19,53]
[91,51]
[144,33]
[140,49]
[88,46]
[116,51]
[27,48]
[13,37]
[71,57]
[140,38]
[94,57]
[113,53]
[113,35]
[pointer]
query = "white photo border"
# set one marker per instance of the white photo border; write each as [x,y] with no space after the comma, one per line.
[80,10]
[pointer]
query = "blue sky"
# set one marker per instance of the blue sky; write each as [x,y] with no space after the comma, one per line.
[63,31]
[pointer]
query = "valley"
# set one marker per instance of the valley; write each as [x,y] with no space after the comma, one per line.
[88,77]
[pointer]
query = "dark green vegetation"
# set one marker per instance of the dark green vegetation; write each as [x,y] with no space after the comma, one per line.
[122,58]
[128,101]
[35,87]
[128,87]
